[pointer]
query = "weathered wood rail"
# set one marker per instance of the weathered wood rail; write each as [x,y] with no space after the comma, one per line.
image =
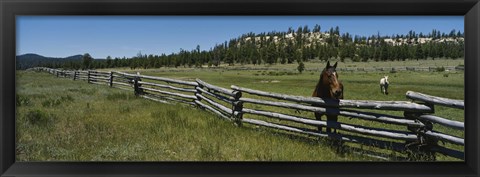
[412,132]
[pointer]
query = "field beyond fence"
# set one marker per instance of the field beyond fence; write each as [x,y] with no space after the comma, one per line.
[411,124]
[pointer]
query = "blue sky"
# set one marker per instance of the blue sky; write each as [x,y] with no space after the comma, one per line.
[118,36]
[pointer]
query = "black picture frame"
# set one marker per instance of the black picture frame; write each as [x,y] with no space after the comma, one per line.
[470,9]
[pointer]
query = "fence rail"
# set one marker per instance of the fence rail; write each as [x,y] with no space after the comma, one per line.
[402,68]
[436,100]
[237,104]
[362,104]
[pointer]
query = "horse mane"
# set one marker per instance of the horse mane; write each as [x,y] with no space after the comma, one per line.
[318,86]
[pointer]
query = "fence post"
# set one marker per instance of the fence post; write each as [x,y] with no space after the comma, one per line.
[420,149]
[237,107]
[56,72]
[136,86]
[111,79]
[74,75]
[88,76]
[198,98]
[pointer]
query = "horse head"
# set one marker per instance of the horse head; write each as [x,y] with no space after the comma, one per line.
[329,86]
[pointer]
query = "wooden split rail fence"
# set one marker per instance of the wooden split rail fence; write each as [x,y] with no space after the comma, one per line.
[402,68]
[273,110]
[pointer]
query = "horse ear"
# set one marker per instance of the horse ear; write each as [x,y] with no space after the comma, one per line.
[328,64]
[335,65]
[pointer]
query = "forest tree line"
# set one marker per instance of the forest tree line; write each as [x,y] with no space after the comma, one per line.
[302,44]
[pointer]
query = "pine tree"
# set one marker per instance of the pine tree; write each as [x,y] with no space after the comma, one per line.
[87,61]
[271,54]
[300,67]
[418,52]
[229,57]
[109,62]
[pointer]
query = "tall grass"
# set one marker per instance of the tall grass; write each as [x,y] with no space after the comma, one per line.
[358,86]
[97,123]
[94,122]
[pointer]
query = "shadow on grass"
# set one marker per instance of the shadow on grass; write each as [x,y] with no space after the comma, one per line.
[343,149]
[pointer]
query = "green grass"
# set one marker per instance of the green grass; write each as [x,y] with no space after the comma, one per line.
[358,86]
[61,119]
[313,65]
[97,123]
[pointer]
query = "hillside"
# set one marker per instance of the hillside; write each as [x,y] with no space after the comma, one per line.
[322,38]
[290,47]
[30,60]
[303,45]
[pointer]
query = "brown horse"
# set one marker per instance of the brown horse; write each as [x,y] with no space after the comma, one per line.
[329,88]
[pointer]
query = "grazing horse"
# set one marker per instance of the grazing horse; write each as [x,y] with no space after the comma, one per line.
[328,87]
[384,85]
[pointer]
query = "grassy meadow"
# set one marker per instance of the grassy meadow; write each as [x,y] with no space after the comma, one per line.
[63,120]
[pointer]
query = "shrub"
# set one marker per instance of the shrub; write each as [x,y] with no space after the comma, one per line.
[66,98]
[440,69]
[38,117]
[393,70]
[57,101]
[301,67]
[22,100]
[51,103]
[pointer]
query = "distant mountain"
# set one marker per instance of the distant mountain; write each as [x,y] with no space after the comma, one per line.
[74,57]
[33,60]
